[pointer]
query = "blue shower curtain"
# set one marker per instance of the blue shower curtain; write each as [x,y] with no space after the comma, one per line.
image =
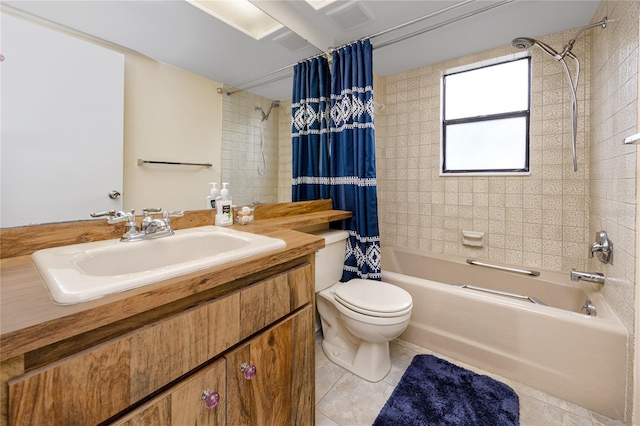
[353,158]
[310,130]
[333,144]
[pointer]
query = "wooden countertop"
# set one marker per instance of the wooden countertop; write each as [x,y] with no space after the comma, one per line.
[29,319]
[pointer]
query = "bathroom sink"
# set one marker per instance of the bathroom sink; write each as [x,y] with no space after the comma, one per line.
[81,272]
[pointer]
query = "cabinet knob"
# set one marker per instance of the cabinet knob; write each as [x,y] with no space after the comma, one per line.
[210,399]
[249,371]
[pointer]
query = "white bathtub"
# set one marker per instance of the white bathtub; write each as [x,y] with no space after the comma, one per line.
[555,348]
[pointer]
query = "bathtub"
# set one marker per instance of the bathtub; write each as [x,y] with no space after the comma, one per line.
[556,348]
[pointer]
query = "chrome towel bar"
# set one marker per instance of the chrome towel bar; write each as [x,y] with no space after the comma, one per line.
[504,293]
[503,268]
[173,163]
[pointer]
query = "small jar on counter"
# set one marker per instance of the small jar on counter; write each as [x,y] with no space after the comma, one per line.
[244,215]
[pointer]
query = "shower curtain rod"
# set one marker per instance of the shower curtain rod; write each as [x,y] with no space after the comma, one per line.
[387,43]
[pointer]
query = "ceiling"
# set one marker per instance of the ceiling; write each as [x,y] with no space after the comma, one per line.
[177,33]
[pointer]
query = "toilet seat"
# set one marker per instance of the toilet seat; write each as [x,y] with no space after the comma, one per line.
[373,298]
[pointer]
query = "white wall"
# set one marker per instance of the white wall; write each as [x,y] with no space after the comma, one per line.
[170,115]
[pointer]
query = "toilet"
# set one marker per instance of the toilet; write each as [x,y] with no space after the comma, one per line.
[359,317]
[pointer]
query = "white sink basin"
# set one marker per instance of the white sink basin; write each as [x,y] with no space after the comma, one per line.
[81,272]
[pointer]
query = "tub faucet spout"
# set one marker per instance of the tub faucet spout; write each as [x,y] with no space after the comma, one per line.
[594,277]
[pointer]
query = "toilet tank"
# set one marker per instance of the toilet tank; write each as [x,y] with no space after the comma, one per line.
[330,259]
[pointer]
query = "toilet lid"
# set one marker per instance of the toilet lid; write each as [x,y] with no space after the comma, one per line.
[374,298]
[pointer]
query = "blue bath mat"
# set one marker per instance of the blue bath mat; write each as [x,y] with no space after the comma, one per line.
[435,392]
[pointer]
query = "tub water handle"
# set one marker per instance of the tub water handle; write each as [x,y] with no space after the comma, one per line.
[603,247]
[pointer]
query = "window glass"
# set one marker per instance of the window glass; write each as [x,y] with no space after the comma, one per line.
[487,145]
[486,119]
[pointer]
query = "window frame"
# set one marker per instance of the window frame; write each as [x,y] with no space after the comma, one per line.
[526,113]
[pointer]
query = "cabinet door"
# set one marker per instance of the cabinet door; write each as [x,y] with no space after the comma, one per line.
[184,403]
[264,397]
[81,390]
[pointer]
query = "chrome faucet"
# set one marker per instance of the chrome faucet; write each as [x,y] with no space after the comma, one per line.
[156,228]
[603,247]
[150,228]
[594,277]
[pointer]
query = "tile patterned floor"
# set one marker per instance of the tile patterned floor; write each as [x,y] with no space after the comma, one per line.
[343,399]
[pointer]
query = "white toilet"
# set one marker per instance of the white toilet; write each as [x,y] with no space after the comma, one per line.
[360,317]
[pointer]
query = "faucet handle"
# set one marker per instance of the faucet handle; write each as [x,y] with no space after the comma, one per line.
[121,216]
[113,216]
[167,215]
[148,210]
[110,213]
[117,219]
[175,213]
[603,247]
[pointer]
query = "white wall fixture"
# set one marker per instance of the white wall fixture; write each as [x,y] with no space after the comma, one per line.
[632,139]
[472,238]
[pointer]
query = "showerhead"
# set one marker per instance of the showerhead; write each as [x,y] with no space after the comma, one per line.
[523,43]
[275,104]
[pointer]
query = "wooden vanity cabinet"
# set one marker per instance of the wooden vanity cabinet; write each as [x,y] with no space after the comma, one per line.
[265,396]
[156,375]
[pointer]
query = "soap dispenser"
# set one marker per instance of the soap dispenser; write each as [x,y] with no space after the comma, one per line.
[211,198]
[224,210]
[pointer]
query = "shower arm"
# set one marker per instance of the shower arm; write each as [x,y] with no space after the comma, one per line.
[567,48]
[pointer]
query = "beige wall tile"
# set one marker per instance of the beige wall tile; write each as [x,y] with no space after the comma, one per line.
[241,140]
[613,107]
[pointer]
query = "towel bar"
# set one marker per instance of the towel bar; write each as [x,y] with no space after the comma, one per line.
[173,163]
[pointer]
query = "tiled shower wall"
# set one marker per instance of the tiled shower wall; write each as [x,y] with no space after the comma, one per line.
[241,154]
[614,116]
[539,220]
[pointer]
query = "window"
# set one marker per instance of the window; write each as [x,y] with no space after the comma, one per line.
[485,119]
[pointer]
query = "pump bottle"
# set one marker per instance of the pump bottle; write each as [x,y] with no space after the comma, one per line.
[211,198]
[224,210]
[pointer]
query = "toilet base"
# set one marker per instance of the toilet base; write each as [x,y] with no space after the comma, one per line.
[370,361]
